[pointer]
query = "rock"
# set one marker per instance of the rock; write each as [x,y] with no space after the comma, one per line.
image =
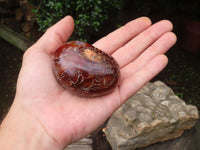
[28,7]
[85,70]
[19,14]
[27,26]
[188,141]
[154,114]
[83,144]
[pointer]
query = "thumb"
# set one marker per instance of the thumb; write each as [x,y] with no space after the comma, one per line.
[56,35]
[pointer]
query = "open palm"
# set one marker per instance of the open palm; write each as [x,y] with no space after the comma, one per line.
[138,47]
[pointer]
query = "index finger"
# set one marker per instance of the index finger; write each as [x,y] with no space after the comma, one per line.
[121,36]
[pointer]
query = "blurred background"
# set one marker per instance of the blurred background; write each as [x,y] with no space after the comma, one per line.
[94,19]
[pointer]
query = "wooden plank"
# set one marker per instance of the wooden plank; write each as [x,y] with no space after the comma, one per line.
[14,38]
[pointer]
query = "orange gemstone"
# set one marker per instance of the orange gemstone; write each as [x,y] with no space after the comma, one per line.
[85,70]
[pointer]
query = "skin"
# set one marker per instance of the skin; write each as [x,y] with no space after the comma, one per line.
[45,116]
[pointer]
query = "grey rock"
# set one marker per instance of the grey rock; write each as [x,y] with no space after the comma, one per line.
[188,141]
[154,114]
[83,144]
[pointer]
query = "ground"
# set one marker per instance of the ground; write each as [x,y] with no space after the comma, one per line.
[10,63]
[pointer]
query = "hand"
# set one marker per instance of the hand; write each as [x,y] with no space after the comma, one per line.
[139,49]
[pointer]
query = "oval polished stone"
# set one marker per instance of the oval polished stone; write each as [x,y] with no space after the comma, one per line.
[85,70]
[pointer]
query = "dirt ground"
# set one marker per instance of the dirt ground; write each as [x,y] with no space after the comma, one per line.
[10,63]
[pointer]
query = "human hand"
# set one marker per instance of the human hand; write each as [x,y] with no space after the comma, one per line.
[139,49]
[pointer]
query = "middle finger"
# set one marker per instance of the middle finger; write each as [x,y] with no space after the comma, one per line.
[137,45]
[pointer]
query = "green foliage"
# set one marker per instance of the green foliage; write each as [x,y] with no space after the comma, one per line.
[89,15]
[180,95]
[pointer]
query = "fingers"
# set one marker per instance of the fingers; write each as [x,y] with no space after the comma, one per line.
[119,37]
[56,35]
[164,43]
[137,45]
[141,77]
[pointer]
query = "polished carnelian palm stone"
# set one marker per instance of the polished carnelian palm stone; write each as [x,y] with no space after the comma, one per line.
[85,70]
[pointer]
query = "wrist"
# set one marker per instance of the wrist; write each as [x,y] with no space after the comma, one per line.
[20,130]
